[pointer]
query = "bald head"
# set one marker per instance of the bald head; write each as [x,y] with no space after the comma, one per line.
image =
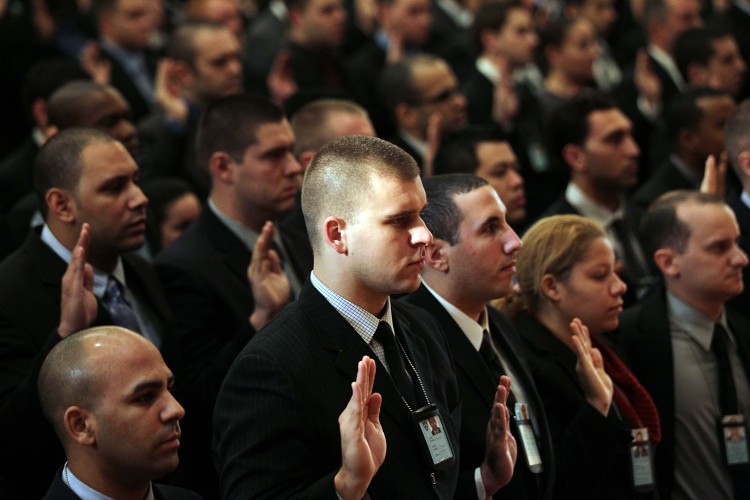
[76,368]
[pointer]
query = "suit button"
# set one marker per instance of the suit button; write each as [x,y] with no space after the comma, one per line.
[433,478]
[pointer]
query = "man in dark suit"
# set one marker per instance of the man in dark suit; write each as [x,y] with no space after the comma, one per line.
[245,143]
[274,426]
[84,178]
[107,393]
[467,219]
[684,345]
[125,30]
[593,138]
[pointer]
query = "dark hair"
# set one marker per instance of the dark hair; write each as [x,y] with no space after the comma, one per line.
[458,151]
[662,228]
[696,46]
[46,76]
[569,122]
[491,15]
[396,85]
[58,163]
[160,193]
[230,123]
[182,42]
[441,215]
[683,111]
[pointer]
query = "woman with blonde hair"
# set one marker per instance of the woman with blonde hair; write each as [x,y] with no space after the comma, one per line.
[570,293]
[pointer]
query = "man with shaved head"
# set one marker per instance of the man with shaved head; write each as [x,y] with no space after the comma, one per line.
[107,393]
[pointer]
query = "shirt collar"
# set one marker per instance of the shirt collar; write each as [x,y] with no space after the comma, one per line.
[419,145]
[667,62]
[244,233]
[591,209]
[100,278]
[473,330]
[487,69]
[85,492]
[461,16]
[692,322]
[361,320]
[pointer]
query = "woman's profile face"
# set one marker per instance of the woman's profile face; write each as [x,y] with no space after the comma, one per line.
[579,50]
[593,291]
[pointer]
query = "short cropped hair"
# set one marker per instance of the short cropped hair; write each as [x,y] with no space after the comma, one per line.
[491,15]
[696,46]
[441,215]
[58,163]
[182,42]
[569,123]
[65,105]
[310,124]
[458,151]
[661,227]
[340,175]
[230,124]
[737,135]
[683,111]
[397,86]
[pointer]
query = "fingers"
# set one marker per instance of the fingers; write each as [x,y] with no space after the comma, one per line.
[264,258]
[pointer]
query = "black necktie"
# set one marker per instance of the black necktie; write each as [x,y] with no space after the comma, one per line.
[394,357]
[727,390]
[495,366]
[118,306]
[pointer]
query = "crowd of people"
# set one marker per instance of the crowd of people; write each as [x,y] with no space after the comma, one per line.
[374,249]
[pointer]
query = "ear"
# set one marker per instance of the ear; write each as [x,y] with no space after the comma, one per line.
[406,115]
[220,166]
[575,157]
[743,161]
[550,288]
[697,74]
[436,255]
[80,425]
[335,234]
[60,205]
[39,113]
[305,157]
[668,262]
[487,38]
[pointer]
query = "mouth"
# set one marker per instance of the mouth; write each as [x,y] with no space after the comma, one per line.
[172,440]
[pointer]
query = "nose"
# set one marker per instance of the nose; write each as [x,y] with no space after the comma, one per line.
[619,287]
[513,243]
[740,258]
[420,235]
[632,147]
[138,199]
[173,410]
[293,167]
[515,178]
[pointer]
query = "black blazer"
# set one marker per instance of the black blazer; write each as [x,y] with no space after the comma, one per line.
[29,315]
[205,277]
[645,341]
[58,490]
[478,388]
[665,178]
[593,449]
[276,431]
[120,79]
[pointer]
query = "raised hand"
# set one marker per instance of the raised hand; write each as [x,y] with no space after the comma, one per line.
[646,81]
[269,284]
[98,68]
[715,176]
[505,100]
[596,384]
[363,444]
[280,79]
[434,135]
[167,91]
[500,455]
[77,300]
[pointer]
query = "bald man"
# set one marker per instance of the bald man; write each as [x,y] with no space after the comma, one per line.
[107,393]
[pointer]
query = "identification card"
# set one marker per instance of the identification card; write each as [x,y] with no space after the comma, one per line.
[733,436]
[641,461]
[528,439]
[437,445]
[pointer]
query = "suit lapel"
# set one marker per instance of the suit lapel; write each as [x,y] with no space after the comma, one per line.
[234,252]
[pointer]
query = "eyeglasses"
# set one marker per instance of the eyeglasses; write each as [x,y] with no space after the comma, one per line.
[444,96]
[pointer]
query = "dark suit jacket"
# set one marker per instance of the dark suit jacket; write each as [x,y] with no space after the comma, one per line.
[265,36]
[205,278]
[478,389]
[120,79]
[594,448]
[666,178]
[275,427]
[364,68]
[17,174]
[29,315]
[645,342]
[398,141]
[58,490]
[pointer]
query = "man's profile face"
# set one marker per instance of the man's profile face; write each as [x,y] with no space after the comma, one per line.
[601,13]
[411,19]
[324,23]
[726,67]
[681,15]
[498,166]
[217,69]
[132,23]
[137,426]
[386,237]
[484,258]
[711,265]
[226,12]
[439,93]
[710,130]
[517,38]
[266,180]
[610,152]
[107,196]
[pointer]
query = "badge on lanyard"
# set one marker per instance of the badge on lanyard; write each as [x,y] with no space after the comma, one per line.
[437,445]
[641,461]
[525,429]
[733,437]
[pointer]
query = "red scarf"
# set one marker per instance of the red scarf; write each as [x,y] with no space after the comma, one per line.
[629,395]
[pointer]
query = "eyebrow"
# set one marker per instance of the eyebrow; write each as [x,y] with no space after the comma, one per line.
[152,384]
[489,220]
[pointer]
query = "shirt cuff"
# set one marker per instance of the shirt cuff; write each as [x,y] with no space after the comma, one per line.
[481,494]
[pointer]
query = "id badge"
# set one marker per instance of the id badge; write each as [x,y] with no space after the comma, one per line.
[641,461]
[733,437]
[437,445]
[525,429]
